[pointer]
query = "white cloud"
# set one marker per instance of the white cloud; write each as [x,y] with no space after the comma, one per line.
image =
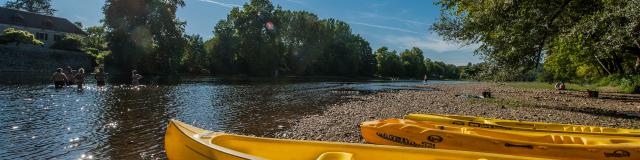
[430,42]
[406,21]
[296,1]
[228,5]
[386,27]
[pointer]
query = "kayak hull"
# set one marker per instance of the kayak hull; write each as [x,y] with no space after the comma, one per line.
[183,141]
[488,123]
[429,135]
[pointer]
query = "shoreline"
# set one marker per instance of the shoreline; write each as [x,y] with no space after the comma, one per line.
[340,121]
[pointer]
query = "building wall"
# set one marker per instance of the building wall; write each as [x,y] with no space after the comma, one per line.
[47,43]
[30,59]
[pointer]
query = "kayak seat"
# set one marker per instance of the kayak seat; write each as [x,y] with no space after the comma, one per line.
[335,156]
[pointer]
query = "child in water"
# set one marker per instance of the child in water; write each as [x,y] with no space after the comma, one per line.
[59,79]
[79,78]
[135,78]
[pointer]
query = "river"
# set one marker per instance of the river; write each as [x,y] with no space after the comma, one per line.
[121,122]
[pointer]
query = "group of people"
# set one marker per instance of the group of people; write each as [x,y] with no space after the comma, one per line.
[68,77]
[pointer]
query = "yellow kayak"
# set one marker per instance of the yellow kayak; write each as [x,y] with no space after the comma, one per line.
[537,144]
[489,123]
[183,141]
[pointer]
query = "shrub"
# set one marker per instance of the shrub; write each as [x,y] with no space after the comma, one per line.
[12,35]
[70,42]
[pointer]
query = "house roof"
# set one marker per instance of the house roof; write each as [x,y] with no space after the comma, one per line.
[34,20]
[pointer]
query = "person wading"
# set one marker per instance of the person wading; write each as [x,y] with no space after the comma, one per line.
[135,78]
[100,77]
[59,79]
[67,71]
[79,78]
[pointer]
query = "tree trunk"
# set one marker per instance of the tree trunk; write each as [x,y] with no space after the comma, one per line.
[601,64]
[637,67]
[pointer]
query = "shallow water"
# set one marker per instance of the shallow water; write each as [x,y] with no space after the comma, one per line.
[121,122]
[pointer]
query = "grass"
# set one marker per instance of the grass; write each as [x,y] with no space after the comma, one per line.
[543,85]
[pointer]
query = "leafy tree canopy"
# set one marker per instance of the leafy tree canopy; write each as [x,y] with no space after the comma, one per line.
[35,6]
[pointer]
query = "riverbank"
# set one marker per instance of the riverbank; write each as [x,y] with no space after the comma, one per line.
[340,121]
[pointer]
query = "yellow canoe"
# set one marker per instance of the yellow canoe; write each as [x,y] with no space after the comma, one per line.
[545,145]
[183,141]
[489,123]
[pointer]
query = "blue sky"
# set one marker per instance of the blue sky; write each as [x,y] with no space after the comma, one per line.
[396,24]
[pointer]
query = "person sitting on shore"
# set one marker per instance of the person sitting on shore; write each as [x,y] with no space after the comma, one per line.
[79,78]
[100,78]
[560,86]
[135,78]
[59,79]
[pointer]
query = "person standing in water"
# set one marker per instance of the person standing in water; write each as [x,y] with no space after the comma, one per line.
[100,77]
[425,79]
[135,78]
[79,78]
[67,72]
[59,79]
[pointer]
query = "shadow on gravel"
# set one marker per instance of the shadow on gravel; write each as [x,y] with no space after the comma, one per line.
[597,112]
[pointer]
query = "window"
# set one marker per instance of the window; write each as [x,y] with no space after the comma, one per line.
[40,35]
[57,37]
[46,37]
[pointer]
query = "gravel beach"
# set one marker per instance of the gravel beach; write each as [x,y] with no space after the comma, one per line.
[339,122]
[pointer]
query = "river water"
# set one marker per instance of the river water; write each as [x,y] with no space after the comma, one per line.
[121,122]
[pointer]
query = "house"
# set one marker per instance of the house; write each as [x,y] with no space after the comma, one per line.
[48,29]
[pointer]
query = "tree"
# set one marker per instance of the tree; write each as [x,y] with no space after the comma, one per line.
[70,42]
[144,35]
[35,6]
[96,43]
[389,63]
[12,35]
[413,63]
[514,35]
[194,58]
[260,39]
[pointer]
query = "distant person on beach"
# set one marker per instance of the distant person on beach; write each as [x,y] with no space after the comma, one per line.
[67,71]
[560,86]
[135,78]
[59,79]
[100,77]
[79,78]
[426,78]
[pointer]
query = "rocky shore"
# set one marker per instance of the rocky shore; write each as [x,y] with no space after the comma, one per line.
[340,121]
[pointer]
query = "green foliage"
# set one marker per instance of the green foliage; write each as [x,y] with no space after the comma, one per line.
[582,39]
[96,45]
[473,71]
[389,63]
[260,39]
[441,70]
[35,6]
[194,59]
[70,42]
[627,84]
[144,35]
[12,35]
[413,63]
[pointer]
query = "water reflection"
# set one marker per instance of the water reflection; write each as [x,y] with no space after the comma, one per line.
[120,122]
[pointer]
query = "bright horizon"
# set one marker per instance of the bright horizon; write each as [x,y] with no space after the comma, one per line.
[396,25]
